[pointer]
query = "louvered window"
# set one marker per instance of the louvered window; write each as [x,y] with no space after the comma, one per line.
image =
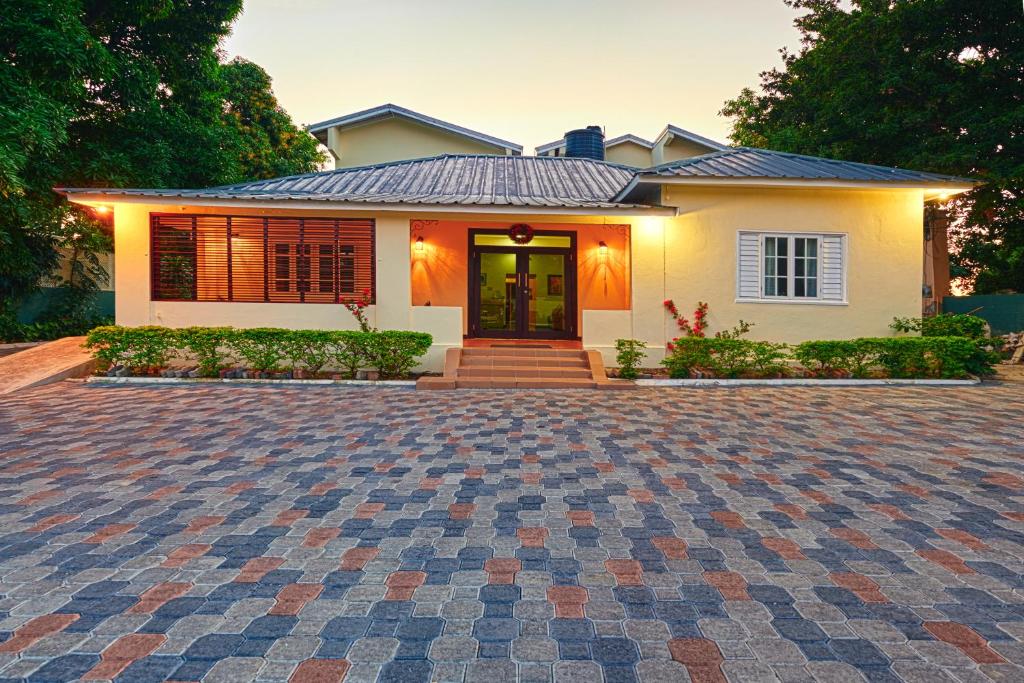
[795,268]
[253,259]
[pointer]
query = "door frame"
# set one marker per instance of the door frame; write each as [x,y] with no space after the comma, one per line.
[571,294]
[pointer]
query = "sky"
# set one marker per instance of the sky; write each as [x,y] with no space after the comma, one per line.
[521,70]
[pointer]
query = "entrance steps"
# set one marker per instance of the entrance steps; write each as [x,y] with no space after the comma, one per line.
[499,367]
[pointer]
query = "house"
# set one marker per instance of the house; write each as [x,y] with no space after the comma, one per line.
[393,133]
[464,244]
[672,144]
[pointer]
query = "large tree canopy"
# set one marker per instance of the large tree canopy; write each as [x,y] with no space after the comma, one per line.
[935,85]
[99,93]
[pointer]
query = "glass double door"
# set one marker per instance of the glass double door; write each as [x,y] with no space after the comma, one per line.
[523,293]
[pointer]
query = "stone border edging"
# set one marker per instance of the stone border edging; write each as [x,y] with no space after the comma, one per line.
[218,380]
[809,382]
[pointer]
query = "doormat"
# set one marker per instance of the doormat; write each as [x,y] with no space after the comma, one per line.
[520,346]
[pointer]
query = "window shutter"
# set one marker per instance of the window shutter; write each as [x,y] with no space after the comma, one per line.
[748,266]
[832,269]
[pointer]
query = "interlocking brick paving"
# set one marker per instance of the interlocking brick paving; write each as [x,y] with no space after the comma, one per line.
[229,533]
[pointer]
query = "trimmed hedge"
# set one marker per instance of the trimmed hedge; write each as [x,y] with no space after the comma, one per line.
[392,353]
[895,357]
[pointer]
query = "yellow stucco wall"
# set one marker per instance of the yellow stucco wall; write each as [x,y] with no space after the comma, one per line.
[395,139]
[630,154]
[692,258]
[677,149]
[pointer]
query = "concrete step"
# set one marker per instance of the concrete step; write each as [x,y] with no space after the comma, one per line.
[523,352]
[524,383]
[517,361]
[521,371]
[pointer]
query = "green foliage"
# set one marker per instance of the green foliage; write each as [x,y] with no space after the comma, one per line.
[828,358]
[736,332]
[47,330]
[137,348]
[208,346]
[896,357]
[931,85]
[944,325]
[724,357]
[630,353]
[262,348]
[122,94]
[348,350]
[394,353]
[312,349]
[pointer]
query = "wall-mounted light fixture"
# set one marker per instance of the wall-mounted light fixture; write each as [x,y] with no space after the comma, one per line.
[602,248]
[419,246]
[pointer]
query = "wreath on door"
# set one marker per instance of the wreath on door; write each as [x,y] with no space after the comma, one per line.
[520,233]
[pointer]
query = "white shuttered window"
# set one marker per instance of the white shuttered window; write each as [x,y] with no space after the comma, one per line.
[791,267]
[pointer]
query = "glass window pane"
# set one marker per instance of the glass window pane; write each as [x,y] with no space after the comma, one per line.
[783,287]
[812,288]
[783,246]
[812,247]
[498,291]
[769,246]
[769,286]
[798,287]
[503,240]
[799,247]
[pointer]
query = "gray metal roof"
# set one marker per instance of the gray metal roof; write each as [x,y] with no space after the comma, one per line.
[393,110]
[449,179]
[748,162]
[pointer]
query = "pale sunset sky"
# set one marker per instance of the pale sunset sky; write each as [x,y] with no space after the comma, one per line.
[522,70]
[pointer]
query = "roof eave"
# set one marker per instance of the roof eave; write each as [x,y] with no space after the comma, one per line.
[953,184]
[90,196]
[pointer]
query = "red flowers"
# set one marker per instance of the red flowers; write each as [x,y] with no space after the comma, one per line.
[700,322]
[356,308]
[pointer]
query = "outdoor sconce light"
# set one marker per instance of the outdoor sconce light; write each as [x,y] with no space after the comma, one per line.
[419,245]
[603,248]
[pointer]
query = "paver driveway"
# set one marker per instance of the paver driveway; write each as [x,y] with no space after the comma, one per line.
[229,533]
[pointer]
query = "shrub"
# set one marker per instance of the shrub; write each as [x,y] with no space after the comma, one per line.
[262,348]
[137,348]
[631,352]
[725,357]
[831,357]
[944,325]
[348,349]
[310,348]
[395,353]
[896,357]
[208,345]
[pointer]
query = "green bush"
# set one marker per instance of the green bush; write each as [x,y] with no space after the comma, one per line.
[725,357]
[395,353]
[835,356]
[208,345]
[896,357]
[944,325]
[312,349]
[631,352]
[348,350]
[137,348]
[262,348]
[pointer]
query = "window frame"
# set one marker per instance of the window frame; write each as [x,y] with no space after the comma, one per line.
[791,237]
[344,256]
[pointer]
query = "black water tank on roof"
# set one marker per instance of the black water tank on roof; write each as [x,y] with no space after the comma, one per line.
[585,143]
